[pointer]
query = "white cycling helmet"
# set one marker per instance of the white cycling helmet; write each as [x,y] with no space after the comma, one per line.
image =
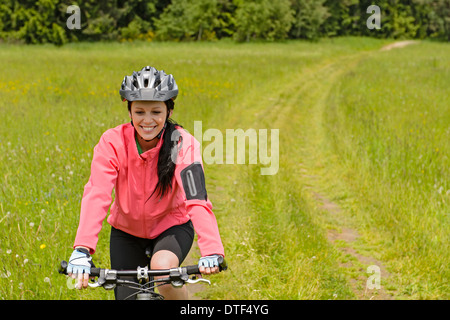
[148,84]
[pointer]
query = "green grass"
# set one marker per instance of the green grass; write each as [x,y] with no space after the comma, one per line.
[390,123]
[325,98]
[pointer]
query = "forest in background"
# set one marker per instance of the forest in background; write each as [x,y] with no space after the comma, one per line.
[46,21]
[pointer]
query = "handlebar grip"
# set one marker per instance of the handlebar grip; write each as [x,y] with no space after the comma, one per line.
[192,269]
[63,267]
[222,264]
[95,272]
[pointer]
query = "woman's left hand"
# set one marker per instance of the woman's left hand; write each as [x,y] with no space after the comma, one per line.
[209,264]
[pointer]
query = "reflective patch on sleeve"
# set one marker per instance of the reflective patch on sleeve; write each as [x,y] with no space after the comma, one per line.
[193,180]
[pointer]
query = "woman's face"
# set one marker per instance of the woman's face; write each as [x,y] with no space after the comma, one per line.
[148,117]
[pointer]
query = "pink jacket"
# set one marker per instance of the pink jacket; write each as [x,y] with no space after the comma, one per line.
[117,164]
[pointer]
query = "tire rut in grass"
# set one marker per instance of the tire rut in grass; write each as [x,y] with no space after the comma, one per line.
[343,239]
[342,234]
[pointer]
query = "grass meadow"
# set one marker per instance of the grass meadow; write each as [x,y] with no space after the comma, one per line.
[369,129]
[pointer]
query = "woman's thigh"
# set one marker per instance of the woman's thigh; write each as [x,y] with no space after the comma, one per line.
[177,240]
[127,253]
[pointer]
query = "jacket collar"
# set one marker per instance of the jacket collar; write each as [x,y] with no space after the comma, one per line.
[149,154]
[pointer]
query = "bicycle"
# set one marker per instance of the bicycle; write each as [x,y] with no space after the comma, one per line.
[177,277]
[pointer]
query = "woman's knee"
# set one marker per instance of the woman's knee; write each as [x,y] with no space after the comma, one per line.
[164,259]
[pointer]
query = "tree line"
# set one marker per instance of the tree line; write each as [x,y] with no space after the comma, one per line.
[46,21]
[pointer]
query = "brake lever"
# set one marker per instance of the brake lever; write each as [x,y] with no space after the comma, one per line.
[192,281]
[94,285]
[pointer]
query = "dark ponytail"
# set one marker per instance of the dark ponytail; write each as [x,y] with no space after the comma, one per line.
[166,161]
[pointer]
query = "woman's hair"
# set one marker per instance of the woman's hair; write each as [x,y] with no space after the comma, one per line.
[166,161]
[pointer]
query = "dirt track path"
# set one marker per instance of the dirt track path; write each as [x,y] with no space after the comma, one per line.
[398,44]
[341,230]
[343,236]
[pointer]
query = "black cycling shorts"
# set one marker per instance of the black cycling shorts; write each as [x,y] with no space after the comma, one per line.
[127,252]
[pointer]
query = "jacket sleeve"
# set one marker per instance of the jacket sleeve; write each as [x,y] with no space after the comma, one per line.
[190,178]
[97,194]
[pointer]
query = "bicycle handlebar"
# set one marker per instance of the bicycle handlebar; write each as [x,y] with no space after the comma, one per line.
[95,272]
[109,279]
[189,270]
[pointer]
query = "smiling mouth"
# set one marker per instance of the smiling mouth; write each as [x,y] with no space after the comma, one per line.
[148,129]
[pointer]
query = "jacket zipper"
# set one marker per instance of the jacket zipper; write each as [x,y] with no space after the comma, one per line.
[144,165]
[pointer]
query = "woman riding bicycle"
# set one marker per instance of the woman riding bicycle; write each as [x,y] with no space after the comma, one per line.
[156,170]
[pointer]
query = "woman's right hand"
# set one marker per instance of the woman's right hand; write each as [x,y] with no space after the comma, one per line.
[80,264]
